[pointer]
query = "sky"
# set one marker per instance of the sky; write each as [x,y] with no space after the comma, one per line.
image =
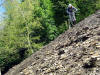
[2,10]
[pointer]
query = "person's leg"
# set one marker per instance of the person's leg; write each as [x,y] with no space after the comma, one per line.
[71,20]
[74,22]
[74,19]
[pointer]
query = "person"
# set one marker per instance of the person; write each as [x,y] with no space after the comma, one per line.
[71,11]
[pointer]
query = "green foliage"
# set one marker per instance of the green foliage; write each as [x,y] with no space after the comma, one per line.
[46,14]
[86,7]
[98,4]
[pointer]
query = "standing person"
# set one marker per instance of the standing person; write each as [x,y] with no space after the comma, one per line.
[71,11]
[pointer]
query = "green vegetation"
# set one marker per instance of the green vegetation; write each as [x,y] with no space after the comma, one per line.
[31,24]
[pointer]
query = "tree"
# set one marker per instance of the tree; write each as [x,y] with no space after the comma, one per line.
[20,38]
[46,14]
[87,7]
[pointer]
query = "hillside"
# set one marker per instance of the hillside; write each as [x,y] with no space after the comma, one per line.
[75,52]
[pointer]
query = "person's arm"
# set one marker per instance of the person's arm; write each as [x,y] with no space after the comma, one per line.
[75,9]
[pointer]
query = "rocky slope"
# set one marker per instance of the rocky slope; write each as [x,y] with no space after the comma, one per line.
[75,52]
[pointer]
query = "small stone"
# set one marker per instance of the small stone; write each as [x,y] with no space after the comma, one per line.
[98,58]
[63,56]
[95,55]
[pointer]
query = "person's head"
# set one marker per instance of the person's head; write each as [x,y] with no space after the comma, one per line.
[70,5]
